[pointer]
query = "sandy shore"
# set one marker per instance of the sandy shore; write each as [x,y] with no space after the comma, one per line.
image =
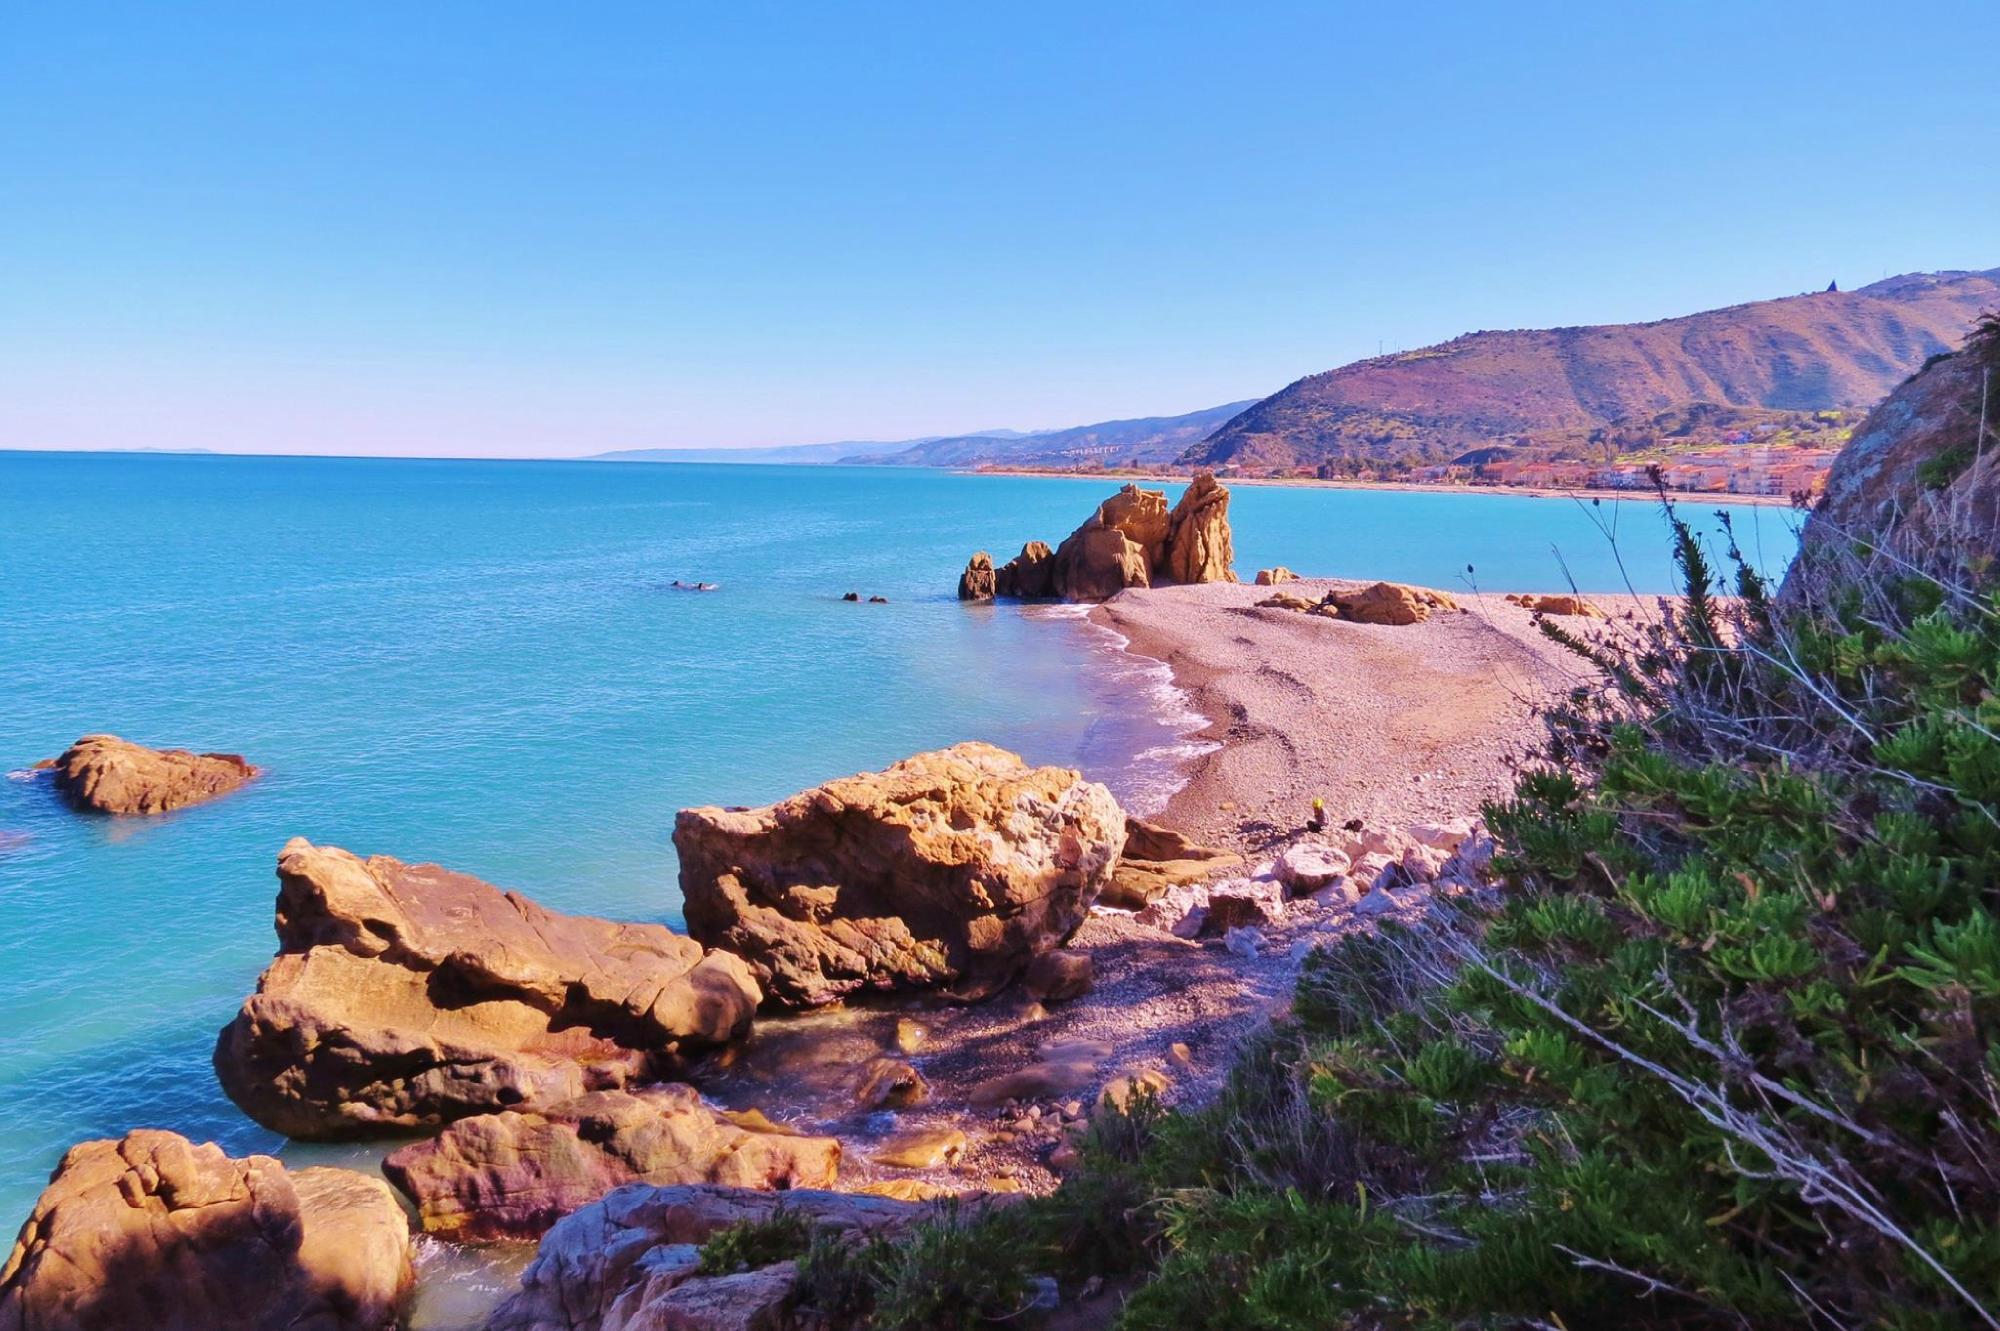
[1411,487]
[1391,725]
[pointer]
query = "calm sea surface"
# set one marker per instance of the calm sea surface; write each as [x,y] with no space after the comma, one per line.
[480,663]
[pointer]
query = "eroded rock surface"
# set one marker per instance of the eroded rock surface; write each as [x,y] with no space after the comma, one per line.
[621,1264]
[976,583]
[405,996]
[513,1175]
[107,774]
[155,1232]
[950,868]
[1156,859]
[1132,540]
[1914,484]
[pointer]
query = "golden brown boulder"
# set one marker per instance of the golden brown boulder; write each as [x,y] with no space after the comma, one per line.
[976,583]
[154,1232]
[1199,545]
[110,775]
[950,868]
[1271,577]
[1557,605]
[1157,858]
[405,996]
[1029,575]
[513,1175]
[1391,603]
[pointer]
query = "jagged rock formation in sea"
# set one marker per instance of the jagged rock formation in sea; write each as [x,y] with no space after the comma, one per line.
[1132,540]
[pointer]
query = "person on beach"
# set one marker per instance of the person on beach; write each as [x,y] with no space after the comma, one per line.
[1317,823]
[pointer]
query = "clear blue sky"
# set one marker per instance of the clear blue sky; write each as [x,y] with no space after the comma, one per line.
[540,229]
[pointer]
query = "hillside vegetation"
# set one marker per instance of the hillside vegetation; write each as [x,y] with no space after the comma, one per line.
[1564,387]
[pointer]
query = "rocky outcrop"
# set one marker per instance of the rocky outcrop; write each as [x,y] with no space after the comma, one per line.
[1914,489]
[1029,575]
[513,1175]
[1132,540]
[1379,603]
[627,1263]
[405,996]
[1271,577]
[1392,603]
[1199,545]
[1556,605]
[976,583]
[950,868]
[107,774]
[1157,858]
[153,1231]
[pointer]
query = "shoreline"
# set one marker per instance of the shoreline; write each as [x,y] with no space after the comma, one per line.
[1400,487]
[1387,724]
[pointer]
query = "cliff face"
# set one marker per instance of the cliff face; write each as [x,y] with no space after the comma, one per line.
[1825,350]
[1915,481]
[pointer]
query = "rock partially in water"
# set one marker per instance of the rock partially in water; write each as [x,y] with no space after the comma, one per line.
[155,1232]
[890,1083]
[406,996]
[1030,575]
[950,868]
[621,1264]
[976,583]
[107,774]
[513,1175]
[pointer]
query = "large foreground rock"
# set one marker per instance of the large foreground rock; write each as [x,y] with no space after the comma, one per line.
[154,1233]
[626,1263]
[111,775]
[405,996]
[513,1175]
[950,868]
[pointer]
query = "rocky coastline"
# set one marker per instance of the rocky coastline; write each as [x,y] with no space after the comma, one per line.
[897,988]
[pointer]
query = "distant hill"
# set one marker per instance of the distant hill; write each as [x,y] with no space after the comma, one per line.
[793,454]
[1552,387]
[1148,439]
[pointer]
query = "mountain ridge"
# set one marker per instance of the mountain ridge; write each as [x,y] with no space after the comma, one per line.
[1555,386]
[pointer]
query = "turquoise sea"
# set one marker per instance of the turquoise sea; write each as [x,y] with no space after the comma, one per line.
[481,663]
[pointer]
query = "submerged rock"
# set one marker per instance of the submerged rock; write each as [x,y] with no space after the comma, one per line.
[405,996]
[513,1175]
[107,774]
[950,868]
[627,1263]
[155,1232]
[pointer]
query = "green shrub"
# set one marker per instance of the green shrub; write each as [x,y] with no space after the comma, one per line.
[751,1244]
